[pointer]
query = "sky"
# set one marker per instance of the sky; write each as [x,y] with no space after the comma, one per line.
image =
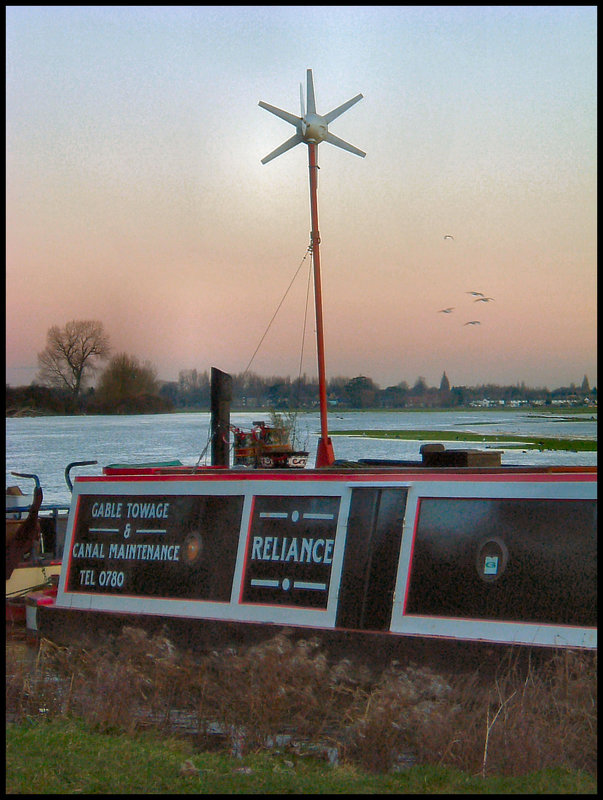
[135,194]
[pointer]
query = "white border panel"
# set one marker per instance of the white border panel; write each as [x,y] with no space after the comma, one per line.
[484,630]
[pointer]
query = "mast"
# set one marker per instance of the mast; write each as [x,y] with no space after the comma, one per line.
[312,128]
[324,454]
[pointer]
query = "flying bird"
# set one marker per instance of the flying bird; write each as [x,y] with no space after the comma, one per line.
[476,294]
[448,236]
[483,299]
[473,322]
[446,310]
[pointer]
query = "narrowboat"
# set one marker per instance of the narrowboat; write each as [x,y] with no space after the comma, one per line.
[450,554]
[398,558]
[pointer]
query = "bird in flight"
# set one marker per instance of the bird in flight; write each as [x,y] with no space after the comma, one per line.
[476,294]
[448,236]
[446,310]
[473,322]
[483,299]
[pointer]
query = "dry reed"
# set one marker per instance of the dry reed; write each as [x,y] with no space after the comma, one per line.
[288,694]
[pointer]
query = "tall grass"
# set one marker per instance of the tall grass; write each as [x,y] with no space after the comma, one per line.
[289,695]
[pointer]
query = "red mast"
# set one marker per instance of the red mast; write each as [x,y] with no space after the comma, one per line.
[324,455]
[312,128]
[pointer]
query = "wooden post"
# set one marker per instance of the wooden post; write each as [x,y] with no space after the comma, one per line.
[221,396]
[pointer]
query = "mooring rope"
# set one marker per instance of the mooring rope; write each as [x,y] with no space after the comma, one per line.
[308,250]
[207,444]
[255,352]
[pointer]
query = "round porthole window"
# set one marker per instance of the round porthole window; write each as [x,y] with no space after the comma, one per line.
[192,548]
[492,557]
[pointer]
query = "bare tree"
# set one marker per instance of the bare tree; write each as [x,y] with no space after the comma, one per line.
[71,354]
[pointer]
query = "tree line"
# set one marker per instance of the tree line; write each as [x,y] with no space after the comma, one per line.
[74,354]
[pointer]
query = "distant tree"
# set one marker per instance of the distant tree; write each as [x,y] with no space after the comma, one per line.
[304,391]
[72,354]
[420,387]
[194,388]
[336,389]
[170,393]
[248,388]
[444,384]
[361,392]
[36,398]
[459,395]
[585,388]
[279,394]
[128,386]
[395,396]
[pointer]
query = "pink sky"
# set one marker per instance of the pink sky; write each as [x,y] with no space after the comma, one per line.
[135,193]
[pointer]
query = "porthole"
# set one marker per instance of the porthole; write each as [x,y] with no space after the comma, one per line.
[491,560]
[192,548]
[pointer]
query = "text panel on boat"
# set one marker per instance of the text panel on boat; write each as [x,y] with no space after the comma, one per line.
[290,551]
[156,546]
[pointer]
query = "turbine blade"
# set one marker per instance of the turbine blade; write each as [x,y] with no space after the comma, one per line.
[344,145]
[301,100]
[340,109]
[295,139]
[282,114]
[310,94]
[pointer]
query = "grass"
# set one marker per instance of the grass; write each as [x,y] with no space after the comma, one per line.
[67,757]
[510,440]
[134,715]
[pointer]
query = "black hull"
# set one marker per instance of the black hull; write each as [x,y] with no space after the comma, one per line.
[413,565]
[198,637]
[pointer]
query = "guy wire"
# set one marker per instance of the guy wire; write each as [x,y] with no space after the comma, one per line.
[309,250]
[301,355]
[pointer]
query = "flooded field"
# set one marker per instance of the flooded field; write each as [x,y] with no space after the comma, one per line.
[46,445]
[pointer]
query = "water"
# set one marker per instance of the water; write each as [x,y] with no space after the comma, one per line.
[45,445]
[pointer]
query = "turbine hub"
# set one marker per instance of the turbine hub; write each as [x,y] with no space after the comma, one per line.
[315,128]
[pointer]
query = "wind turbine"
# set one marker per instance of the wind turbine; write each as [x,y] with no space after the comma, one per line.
[311,129]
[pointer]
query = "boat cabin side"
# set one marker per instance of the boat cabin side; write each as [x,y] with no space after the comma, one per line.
[479,556]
